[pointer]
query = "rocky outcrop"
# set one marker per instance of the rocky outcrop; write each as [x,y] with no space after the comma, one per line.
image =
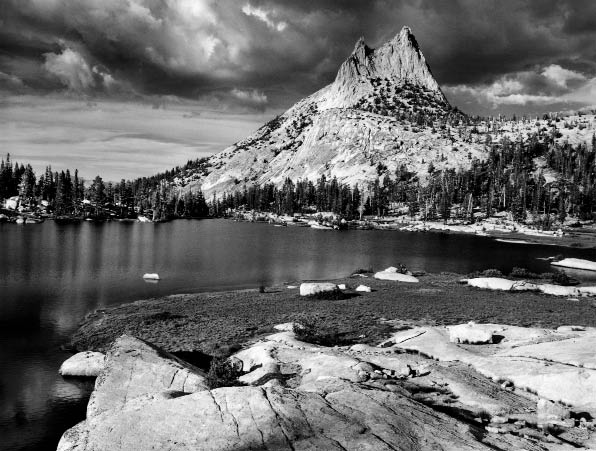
[303,396]
[557,365]
[83,364]
[499,283]
[400,60]
[134,368]
[575,263]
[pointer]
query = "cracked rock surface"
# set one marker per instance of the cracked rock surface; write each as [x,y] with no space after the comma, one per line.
[134,368]
[307,397]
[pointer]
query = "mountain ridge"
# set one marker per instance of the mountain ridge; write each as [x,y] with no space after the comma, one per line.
[371,113]
[384,111]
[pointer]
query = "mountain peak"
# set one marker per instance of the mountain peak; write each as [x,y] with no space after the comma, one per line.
[406,32]
[400,60]
[406,36]
[359,44]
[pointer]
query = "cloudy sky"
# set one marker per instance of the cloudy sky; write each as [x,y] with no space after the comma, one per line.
[151,83]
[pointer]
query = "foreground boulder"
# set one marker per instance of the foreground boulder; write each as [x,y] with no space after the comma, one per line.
[83,364]
[303,396]
[135,368]
[313,288]
[243,418]
[470,333]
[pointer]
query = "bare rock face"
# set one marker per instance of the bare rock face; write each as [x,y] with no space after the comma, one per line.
[135,368]
[399,61]
[556,365]
[256,418]
[308,397]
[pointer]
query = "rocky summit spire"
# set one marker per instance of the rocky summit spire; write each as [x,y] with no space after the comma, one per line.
[400,61]
[402,58]
[358,64]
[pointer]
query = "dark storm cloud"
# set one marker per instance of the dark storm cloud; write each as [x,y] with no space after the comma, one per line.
[268,53]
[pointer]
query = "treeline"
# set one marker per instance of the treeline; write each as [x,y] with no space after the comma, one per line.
[563,184]
[304,196]
[535,179]
[66,194]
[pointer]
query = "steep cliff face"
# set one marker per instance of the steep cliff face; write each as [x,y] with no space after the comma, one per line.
[398,62]
[381,108]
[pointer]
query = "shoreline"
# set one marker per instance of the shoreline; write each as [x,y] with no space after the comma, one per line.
[436,346]
[514,233]
[216,323]
[494,227]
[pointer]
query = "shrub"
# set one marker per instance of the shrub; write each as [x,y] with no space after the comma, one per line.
[486,273]
[560,278]
[402,268]
[317,332]
[223,373]
[492,273]
[363,270]
[523,273]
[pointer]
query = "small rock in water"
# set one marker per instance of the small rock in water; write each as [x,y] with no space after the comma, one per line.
[83,364]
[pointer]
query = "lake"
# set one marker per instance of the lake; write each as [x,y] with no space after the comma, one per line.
[51,275]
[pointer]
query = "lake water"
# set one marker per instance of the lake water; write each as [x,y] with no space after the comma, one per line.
[51,275]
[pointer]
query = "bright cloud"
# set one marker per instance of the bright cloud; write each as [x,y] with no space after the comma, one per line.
[561,76]
[263,16]
[252,96]
[71,69]
[504,92]
[552,84]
